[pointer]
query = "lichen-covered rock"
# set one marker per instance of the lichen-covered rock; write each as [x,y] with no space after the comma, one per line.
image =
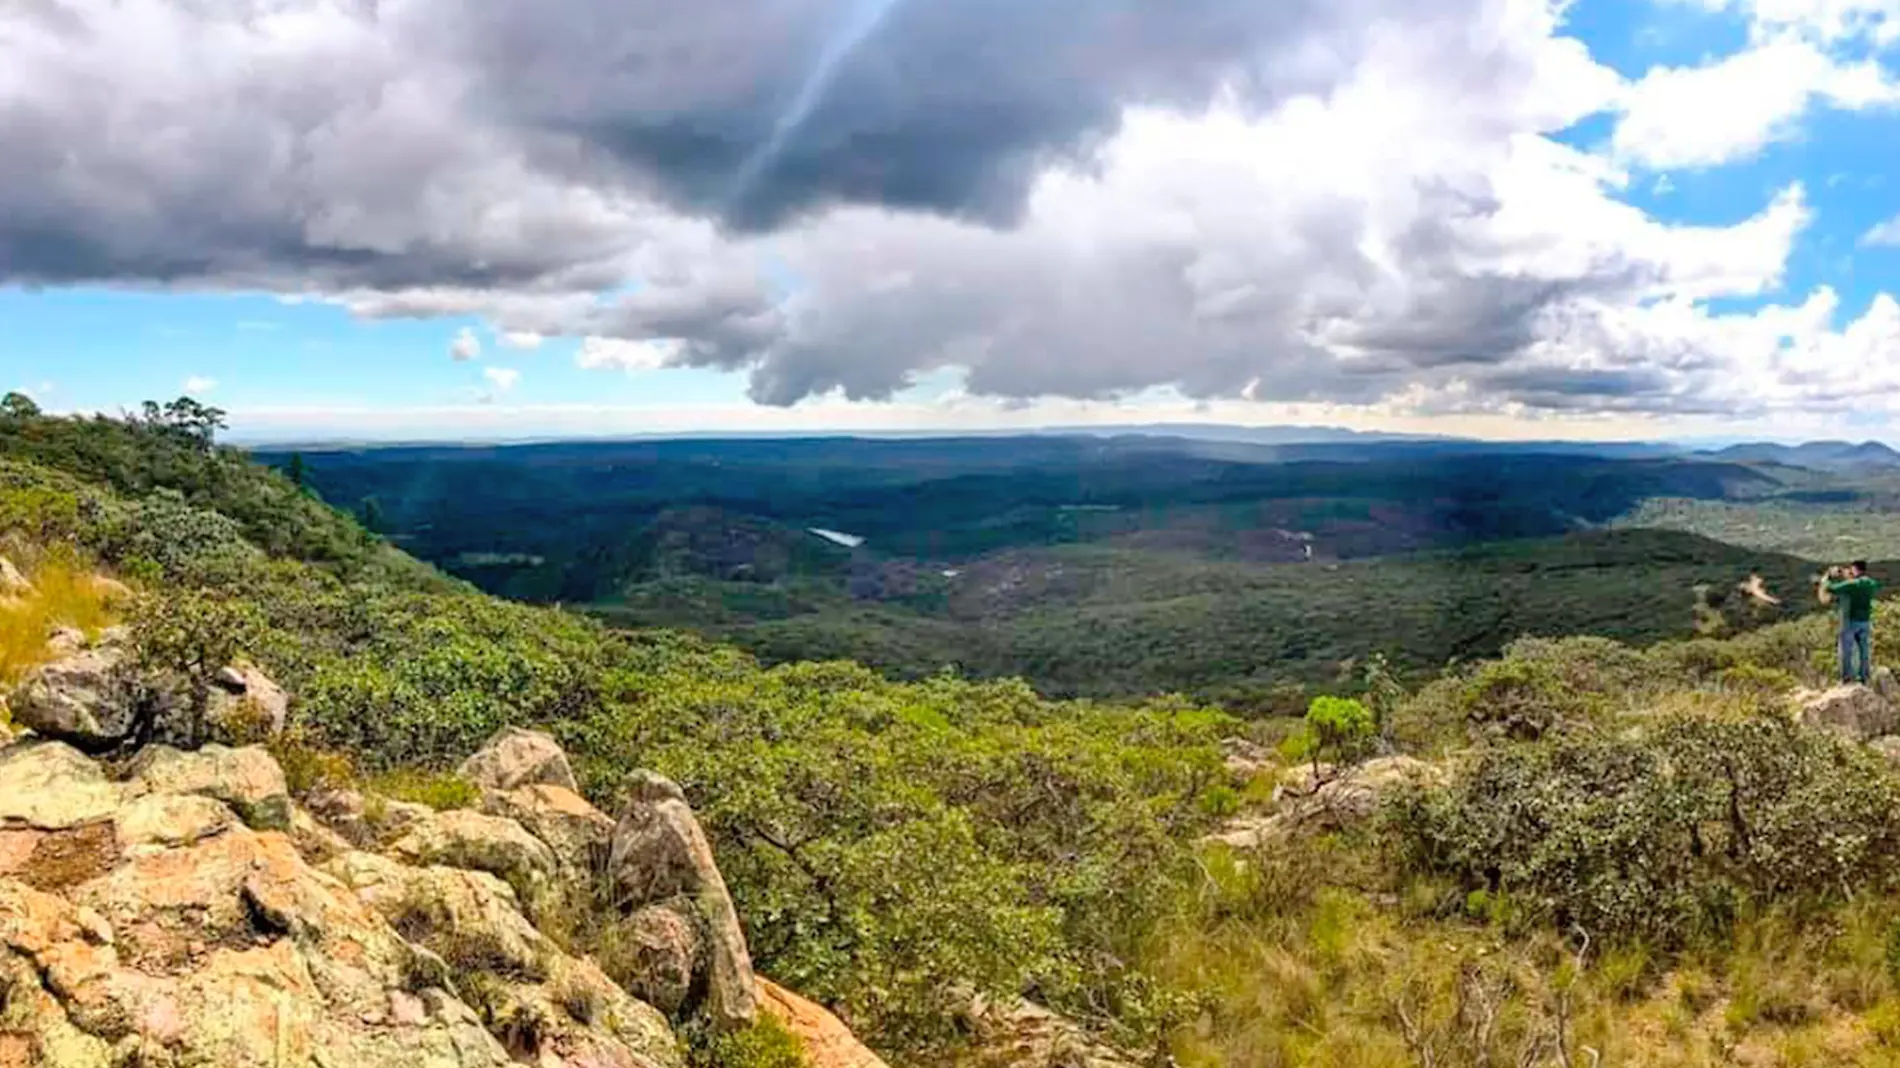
[827,1042]
[516,757]
[477,842]
[247,779]
[520,982]
[578,833]
[1022,1034]
[164,821]
[244,702]
[665,949]
[1856,712]
[51,786]
[660,853]
[87,699]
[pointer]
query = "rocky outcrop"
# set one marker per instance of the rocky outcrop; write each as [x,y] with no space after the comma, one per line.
[827,1042]
[245,703]
[148,922]
[577,833]
[514,758]
[1022,1034]
[86,699]
[1861,713]
[1326,798]
[660,856]
[247,779]
[476,842]
[1244,759]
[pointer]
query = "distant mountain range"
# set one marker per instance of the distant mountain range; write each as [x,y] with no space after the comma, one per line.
[1821,455]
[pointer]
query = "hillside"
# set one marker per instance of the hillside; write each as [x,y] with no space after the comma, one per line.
[1580,852]
[1087,565]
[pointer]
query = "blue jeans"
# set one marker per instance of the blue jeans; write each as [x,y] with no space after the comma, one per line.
[1857,638]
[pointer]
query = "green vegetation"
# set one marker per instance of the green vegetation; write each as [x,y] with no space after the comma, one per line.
[1630,855]
[1829,530]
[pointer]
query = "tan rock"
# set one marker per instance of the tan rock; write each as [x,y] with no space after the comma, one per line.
[577,832]
[827,1042]
[665,950]
[478,842]
[245,703]
[163,821]
[1855,712]
[315,842]
[515,757]
[660,853]
[51,786]
[1022,1034]
[85,699]
[1888,747]
[247,779]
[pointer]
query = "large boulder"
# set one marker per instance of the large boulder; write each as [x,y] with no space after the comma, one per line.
[578,833]
[514,758]
[1856,712]
[659,854]
[539,1001]
[477,842]
[664,948]
[246,779]
[827,1042]
[50,786]
[1022,1034]
[88,699]
[144,924]
[244,703]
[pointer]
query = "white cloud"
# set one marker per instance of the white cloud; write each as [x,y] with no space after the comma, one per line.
[466,346]
[1828,21]
[525,340]
[1884,234]
[1732,108]
[502,378]
[198,384]
[605,353]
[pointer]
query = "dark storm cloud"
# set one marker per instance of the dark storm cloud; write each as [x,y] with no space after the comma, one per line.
[949,106]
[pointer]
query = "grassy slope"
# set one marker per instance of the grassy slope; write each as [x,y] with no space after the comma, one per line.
[963,831]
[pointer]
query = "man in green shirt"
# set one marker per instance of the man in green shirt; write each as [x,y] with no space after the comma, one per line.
[1856,590]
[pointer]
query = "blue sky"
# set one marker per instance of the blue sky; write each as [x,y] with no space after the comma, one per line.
[825,350]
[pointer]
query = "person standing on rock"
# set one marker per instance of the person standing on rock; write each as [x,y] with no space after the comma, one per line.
[1855,589]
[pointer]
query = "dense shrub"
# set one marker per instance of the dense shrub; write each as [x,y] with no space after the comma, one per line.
[1664,834]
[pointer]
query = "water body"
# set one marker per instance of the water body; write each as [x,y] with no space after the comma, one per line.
[849,541]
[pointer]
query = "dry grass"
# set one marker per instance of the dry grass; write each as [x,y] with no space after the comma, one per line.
[1311,958]
[65,594]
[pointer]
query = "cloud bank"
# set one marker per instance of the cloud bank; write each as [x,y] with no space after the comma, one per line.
[1358,202]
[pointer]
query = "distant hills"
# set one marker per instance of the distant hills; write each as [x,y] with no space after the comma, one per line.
[1821,455]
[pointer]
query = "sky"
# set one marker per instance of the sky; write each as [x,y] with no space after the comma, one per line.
[487,219]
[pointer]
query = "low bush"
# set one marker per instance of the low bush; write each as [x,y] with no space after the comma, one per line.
[1664,834]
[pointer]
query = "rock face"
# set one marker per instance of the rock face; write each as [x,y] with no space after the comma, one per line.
[1856,712]
[827,1042]
[1025,1035]
[660,856]
[1329,800]
[85,699]
[248,780]
[244,701]
[514,758]
[145,923]
[577,833]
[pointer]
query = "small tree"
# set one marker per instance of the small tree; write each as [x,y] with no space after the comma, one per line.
[188,637]
[1339,726]
[18,407]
